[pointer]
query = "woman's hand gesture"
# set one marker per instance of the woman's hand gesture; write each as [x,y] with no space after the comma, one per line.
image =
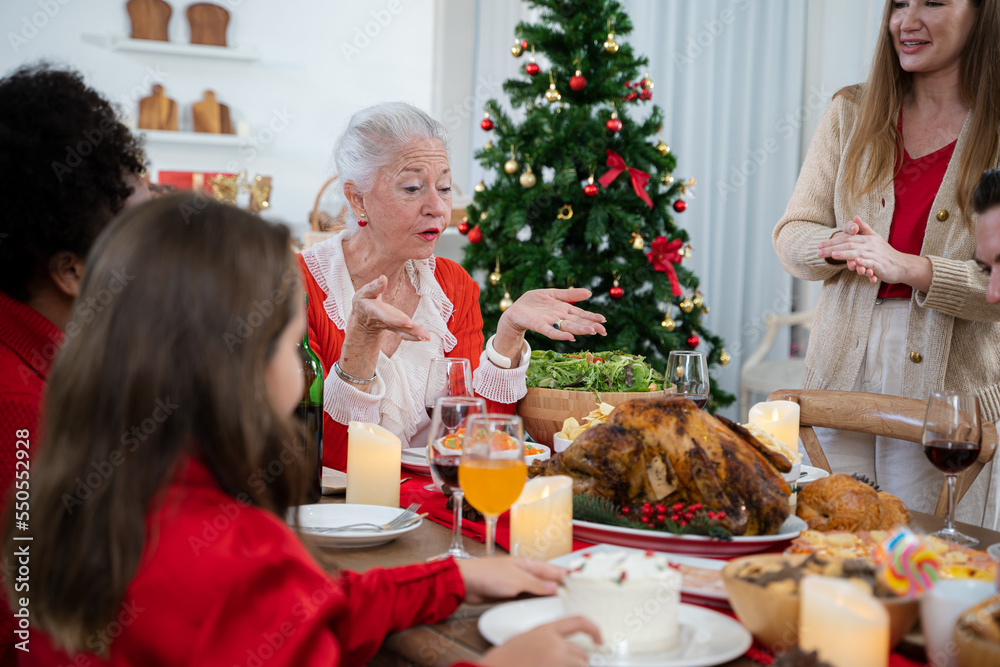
[543,309]
[372,315]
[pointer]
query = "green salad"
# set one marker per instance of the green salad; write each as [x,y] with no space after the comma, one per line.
[592,371]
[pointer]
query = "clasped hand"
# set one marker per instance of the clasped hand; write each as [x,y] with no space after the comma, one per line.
[867,253]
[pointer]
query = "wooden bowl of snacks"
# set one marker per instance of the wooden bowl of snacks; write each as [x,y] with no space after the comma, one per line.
[977,634]
[544,411]
[764,592]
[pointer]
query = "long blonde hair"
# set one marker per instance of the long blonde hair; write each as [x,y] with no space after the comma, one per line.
[881,97]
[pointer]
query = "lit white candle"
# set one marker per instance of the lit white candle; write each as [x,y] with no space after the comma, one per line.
[780,419]
[373,456]
[541,521]
[846,625]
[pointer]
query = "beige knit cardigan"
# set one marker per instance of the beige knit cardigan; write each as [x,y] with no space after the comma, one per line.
[953,334]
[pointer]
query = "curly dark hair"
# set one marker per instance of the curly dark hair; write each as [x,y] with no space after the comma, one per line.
[987,192]
[64,160]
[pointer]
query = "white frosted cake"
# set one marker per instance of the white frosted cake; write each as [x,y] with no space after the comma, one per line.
[632,597]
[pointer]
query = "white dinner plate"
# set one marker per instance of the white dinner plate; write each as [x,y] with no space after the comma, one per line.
[707,637]
[994,550]
[811,474]
[692,545]
[331,515]
[414,459]
[711,592]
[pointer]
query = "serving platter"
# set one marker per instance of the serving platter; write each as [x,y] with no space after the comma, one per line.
[692,545]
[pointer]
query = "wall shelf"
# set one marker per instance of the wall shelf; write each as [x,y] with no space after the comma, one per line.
[127,44]
[192,138]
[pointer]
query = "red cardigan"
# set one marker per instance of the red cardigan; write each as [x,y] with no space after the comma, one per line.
[28,346]
[466,324]
[226,584]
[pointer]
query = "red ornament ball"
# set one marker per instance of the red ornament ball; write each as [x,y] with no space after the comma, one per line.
[463,227]
[590,190]
[631,96]
[532,69]
[680,205]
[614,124]
[524,43]
[693,341]
[486,124]
[577,82]
[475,235]
[617,292]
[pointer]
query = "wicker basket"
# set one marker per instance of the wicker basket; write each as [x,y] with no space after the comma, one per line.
[545,410]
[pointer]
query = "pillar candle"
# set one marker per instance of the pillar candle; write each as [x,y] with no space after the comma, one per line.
[373,456]
[847,625]
[780,419]
[541,520]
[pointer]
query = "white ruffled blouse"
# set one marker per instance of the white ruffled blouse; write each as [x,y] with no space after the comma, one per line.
[396,400]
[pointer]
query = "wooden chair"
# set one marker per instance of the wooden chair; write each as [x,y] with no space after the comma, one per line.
[876,414]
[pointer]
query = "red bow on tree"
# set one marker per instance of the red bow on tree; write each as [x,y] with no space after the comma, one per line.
[665,254]
[639,177]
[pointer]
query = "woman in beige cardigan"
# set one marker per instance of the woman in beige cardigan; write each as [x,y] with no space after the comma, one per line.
[892,236]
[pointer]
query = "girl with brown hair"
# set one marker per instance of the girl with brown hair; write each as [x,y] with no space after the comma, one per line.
[882,215]
[153,538]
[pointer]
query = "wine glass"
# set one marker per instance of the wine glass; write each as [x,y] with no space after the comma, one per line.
[689,374]
[447,377]
[492,471]
[450,376]
[444,453]
[952,439]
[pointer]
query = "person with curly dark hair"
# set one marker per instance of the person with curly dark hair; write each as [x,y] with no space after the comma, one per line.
[67,167]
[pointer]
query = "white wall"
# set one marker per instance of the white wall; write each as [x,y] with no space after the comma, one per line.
[306,84]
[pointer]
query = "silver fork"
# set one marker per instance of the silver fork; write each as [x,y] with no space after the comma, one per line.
[404,519]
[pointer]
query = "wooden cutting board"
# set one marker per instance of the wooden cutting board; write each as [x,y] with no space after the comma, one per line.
[208,23]
[157,112]
[150,19]
[211,116]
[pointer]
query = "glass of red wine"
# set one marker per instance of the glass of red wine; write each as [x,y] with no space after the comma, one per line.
[688,372]
[952,439]
[450,376]
[444,453]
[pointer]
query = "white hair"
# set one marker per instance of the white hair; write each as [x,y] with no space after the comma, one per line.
[374,137]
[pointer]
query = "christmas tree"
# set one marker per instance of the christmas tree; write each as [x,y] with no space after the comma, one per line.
[584,194]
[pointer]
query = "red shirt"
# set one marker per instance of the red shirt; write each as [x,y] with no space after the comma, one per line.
[916,185]
[224,584]
[466,324]
[28,346]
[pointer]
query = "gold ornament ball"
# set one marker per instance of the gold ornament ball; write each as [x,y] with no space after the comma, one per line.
[511,166]
[528,179]
[480,187]
[662,149]
[686,305]
[724,358]
[638,242]
[668,324]
[698,302]
[610,45]
[488,145]
[517,50]
[483,215]
[668,179]
[704,310]
[495,278]
[552,95]
[506,302]
[687,252]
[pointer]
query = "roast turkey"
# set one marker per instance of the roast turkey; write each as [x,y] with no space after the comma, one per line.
[668,451]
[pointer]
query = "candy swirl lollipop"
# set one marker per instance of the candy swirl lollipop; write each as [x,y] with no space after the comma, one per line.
[908,566]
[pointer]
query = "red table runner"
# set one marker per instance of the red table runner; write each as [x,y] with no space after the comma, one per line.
[434,503]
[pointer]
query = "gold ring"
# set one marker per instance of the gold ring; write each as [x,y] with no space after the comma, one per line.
[556,325]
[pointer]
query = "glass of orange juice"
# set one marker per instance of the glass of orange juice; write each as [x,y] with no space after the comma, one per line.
[492,471]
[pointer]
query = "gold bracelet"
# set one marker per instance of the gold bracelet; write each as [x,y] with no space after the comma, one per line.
[347,377]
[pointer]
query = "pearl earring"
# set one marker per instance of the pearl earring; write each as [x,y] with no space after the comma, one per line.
[361,220]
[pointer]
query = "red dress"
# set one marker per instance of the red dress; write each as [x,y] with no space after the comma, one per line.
[28,346]
[466,324]
[225,584]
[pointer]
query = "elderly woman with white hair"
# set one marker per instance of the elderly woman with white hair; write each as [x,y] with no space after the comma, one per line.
[381,305]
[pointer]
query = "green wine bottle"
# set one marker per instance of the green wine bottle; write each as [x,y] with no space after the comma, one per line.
[310,411]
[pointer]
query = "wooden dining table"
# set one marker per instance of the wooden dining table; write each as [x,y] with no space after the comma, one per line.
[457,638]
